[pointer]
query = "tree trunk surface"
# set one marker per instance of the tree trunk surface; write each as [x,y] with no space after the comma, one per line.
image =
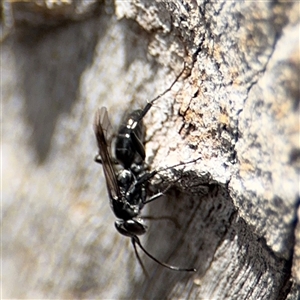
[232,214]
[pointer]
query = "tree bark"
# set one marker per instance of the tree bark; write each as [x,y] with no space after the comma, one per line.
[233,214]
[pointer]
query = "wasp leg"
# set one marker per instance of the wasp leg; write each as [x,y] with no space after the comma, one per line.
[136,240]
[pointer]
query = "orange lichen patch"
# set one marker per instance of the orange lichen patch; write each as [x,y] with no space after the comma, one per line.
[218,53]
[246,167]
[204,137]
[185,96]
[191,117]
[224,119]
[236,80]
[185,99]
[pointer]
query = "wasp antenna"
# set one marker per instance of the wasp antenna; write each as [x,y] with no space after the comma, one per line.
[170,87]
[135,239]
[150,103]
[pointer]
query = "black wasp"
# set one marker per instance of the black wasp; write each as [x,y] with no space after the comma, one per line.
[127,188]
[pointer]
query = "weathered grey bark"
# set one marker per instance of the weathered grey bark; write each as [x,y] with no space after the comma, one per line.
[236,107]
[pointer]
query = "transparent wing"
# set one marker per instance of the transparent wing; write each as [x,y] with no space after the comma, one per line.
[102,118]
[102,128]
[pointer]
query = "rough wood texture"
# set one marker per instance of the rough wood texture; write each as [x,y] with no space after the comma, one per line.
[236,107]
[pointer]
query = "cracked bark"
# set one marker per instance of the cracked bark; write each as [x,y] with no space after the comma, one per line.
[236,107]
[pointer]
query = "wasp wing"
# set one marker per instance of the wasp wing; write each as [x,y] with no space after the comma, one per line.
[102,128]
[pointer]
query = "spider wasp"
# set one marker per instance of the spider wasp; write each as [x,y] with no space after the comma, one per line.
[127,188]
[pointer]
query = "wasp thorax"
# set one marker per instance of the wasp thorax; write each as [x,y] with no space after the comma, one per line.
[125,177]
